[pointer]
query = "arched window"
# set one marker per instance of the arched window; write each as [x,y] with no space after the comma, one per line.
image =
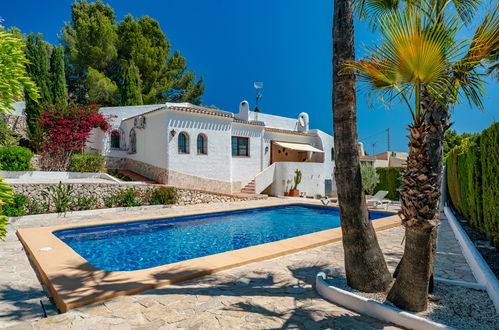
[202,144]
[183,143]
[133,141]
[115,139]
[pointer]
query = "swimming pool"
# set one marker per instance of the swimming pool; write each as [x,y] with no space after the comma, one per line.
[145,244]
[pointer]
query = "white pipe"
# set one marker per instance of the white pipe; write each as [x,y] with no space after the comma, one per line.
[478,266]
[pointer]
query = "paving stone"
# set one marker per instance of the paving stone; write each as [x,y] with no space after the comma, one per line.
[269,294]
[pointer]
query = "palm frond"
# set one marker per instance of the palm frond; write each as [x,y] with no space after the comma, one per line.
[466,9]
[370,10]
[486,38]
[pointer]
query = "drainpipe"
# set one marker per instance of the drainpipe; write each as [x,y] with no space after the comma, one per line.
[167,149]
[262,150]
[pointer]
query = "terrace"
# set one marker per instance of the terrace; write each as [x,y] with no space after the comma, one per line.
[270,293]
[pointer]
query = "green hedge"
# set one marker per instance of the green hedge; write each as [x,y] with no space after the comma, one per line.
[88,163]
[15,159]
[473,181]
[389,180]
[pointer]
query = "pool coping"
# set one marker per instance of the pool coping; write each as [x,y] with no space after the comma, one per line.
[74,282]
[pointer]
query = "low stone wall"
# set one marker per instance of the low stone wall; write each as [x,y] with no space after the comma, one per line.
[188,197]
[99,190]
[173,178]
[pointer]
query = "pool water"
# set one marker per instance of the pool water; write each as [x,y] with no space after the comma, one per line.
[145,244]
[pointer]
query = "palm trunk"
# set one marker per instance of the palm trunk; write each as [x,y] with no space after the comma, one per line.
[420,197]
[365,265]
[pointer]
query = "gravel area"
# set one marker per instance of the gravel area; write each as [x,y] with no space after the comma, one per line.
[489,253]
[445,304]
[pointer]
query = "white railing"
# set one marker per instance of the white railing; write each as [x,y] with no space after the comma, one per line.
[264,179]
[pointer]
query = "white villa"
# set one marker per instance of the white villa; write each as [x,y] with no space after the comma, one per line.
[184,145]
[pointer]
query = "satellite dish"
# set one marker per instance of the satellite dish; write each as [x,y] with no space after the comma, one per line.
[301,121]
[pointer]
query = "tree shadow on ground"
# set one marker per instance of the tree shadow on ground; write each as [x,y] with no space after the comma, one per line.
[20,304]
[286,295]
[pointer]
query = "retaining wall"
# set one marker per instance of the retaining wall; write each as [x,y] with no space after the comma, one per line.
[99,190]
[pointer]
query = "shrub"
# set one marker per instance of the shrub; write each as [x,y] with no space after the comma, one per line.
[16,207]
[390,180]
[129,198]
[88,163]
[5,198]
[110,200]
[32,206]
[489,159]
[66,130]
[162,196]
[370,178]
[60,195]
[81,202]
[15,159]
[473,181]
[118,175]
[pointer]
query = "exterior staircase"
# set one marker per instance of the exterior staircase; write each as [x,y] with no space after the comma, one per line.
[249,188]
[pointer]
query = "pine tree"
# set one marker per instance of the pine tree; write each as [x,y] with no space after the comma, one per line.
[101,90]
[89,40]
[59,90]
[94,39]
[131,90]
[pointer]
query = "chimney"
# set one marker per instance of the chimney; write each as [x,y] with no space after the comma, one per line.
[244,111]
[303,122]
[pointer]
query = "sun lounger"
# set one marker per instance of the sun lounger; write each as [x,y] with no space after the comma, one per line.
[378,200]
[327,200]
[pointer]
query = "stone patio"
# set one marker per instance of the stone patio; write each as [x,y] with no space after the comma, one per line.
[276,293]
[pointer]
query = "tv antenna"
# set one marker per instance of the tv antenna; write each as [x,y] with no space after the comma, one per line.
[259,93]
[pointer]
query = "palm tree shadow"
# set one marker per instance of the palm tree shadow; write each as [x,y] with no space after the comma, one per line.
[21,304]
[248,289]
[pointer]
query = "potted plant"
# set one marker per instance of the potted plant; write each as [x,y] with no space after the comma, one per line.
[288,182]
[294,192]
[284,186]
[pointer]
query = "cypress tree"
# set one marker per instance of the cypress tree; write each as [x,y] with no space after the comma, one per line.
[131,91]
[43,78]
[38,69]
[59,90]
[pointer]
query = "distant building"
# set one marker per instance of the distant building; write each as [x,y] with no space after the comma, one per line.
[391,159]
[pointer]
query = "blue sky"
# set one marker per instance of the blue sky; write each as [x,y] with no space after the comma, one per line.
[284,43]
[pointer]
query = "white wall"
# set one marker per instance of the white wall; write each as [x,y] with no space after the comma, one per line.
[275,121]
[151,140]
[244,169]
[216,164]
[312,178]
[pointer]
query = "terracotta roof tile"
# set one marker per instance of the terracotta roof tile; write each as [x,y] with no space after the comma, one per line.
[257,123]
[199,110]
[286,131]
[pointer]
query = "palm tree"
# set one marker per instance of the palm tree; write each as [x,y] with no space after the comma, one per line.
[422,61]
[364,262]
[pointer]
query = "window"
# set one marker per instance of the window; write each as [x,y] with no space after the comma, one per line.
[183,143]
[133,141]
[332,153]
[202,145]
[240,146]
[115,139]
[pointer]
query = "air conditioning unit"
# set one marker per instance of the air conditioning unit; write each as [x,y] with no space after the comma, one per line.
[139,122]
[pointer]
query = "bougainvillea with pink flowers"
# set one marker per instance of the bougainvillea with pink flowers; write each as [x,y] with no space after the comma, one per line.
[66,131]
